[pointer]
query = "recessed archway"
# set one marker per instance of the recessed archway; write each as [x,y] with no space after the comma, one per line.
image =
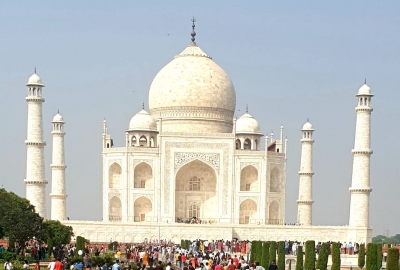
[249,179]
[274,213]
[196,184]
[115,209]
[142,209]
[143,176]
[114,176]
[248,211]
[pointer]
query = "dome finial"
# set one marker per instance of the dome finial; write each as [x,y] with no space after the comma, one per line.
[143,105]
[247,108]
[308,119]
[365,81]
[35,70]
[193,34]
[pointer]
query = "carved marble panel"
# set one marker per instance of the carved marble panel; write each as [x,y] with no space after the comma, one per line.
[211,159]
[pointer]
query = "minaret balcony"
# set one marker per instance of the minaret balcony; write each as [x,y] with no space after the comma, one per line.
[60,167]
[43,143]
[306,173]
[33,182]
[59,196]
[35,99]
[360,190]
[362,152]
[305,202]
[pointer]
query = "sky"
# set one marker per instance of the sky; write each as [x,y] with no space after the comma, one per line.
[288,60]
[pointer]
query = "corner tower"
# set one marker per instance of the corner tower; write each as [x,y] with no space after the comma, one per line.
[35,174]
[58,194]
[360,189]
[304,203]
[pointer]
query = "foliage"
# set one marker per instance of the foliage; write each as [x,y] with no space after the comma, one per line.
[272,251]
[361,256]
[322,262]
[392,262]
[265,255]
[80,243]
[253,251]
[258,252]
[386,240]
[371,256]
[379,255]
[19,220]
[299,260]
[281,255]
[335,256]
[309,262]
[50,246]
[57,232]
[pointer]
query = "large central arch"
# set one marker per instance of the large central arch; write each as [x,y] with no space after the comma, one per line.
[195,192]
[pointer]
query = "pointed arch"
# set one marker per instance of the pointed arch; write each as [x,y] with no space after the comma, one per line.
[247,144]
[115,209]
[238,144]
[114,176]
[249,179]
[143,141]
[248,211]
[142,209]
[275,180]
[143,176]
[274,217]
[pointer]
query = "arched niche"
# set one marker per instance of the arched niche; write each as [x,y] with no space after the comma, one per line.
[114,176]
[249,179]
[143,176]
[142,209]
[115,209]
[248,211]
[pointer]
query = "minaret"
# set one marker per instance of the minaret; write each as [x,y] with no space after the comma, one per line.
[304,203]
[360,189]
[35,174]
[58,195]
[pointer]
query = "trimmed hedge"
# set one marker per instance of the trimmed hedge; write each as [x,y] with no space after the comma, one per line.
[281,255]
[371,256]
[309,262]
[272,251]
[335,256]
[361,256]
[322,262]
[392,262]
[265,255]
[258,252]
[379,255]
[253,251]
[299,260]
[80,243]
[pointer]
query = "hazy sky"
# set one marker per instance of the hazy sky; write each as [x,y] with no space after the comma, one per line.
[288,60]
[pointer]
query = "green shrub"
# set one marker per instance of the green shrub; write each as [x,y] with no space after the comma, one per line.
[5,255]
[80,243]
[265,255]
[392,262]
[322,262]
[371,257]
[281,255]
[335,256]
[259,251]
[50,246]
[361,256]
[113,246]
[309,263]
[272,251]
[253,251]
[299,260]
[379,255]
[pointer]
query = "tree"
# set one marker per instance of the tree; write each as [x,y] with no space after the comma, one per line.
[371,256]
[309,263]
[392,262]
[379,255]
[80,243]
[322,262]
[257,251]
[19,220]
[361,256]
[281,255]
[335,256]
[265,255]
[253,251]
[272,251]
[299,259]
[59,233]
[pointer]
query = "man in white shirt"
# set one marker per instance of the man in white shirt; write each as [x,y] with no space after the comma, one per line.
[51,265]
[8,265]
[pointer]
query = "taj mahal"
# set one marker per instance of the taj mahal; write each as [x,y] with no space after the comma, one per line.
[187,159]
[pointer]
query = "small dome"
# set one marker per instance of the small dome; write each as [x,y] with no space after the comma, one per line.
[307,126]
[34,80]
[247,124]
[364,90]
[142,121]
[58,118]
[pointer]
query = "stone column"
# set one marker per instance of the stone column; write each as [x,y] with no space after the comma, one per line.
[360,189]
[304,203]
[35,173]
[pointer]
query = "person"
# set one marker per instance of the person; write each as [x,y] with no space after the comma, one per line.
[66,265]
[8,265]
[115,266]
[105,266]
[168,266]
[26,265]
[273,266]
[232,266]
[259,267]
[58,265]
[79,265]
[51,265]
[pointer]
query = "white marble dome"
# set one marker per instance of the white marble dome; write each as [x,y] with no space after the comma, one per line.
[364,90]
[58,118]
[34,80]
[193,94]
[246,124]
[307,126]
[143,121]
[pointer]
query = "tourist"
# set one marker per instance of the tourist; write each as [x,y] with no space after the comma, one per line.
[273,266]
[51,265]
[8,265]
[26,265]
[58,265]
[116,266]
